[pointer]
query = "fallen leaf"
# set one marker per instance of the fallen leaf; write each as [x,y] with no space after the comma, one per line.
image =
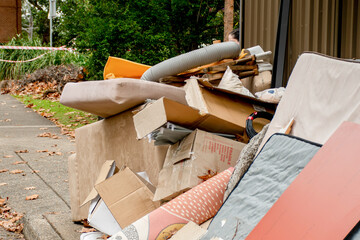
[41,151]
[58,153]
[43,128]
[55,145]
[3,184]
[71,152]
[87,230]
[52,213]
[51,153]
[32,197]
[16,171]
[35,171]
[2,201]
[30,105]
[8,156]
[207,176]
[19,162]
[30,188]
[3,170]
[8,120]
[45,134]
[22,151]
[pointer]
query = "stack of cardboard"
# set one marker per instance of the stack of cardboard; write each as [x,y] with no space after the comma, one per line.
[212,126]
[214,121]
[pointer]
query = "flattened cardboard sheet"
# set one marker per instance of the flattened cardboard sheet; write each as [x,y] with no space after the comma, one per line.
[165,110]
[128,197]
[323,202]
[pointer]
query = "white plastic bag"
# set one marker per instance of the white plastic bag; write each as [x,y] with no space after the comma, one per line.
[230,81]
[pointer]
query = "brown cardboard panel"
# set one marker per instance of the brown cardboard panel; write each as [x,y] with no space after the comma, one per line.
[103,173]
[165,110]
[162,111]
[323,201]
[127,197]
[198,154]
[233,108]
[111,138]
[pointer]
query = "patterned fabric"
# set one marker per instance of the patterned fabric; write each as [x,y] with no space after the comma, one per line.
[246,158]
[198,205]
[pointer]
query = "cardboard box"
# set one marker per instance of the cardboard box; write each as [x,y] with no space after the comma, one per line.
[165,110]
[99,215]
[229,106]
[128,196]
[200,153]
[119,199]
[111,138]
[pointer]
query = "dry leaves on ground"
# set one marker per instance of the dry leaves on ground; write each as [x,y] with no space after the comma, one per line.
[3,184]
[3,170]
[87,230]
[8,156]
[42,151]
[32,197]
[16,171]
[52,153]
[22,151]
[19,162]
[49,135]
[10,219]
[30,188]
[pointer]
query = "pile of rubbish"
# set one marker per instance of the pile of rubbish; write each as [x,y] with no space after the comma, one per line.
[207,150]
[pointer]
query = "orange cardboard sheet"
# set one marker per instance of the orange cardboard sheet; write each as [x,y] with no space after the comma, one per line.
[122,68]
[323,202]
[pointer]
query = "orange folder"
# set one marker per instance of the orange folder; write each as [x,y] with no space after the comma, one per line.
[323,202]
[122,68]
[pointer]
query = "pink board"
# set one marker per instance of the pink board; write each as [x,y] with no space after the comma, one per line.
[323,202]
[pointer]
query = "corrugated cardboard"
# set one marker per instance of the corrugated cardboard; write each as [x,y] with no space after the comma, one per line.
[128,196]
[323,200]
[165,110]
[99,215]
[107,169]
[231,107]
[195,155]
[111,138]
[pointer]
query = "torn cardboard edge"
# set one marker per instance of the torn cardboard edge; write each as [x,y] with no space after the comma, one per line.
[200,154]
[228,108]
[119,198]
[165,110]
[128,196]
[190,231]
[208,85]
[107,169]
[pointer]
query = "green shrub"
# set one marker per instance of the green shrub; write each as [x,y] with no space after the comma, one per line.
[15,71]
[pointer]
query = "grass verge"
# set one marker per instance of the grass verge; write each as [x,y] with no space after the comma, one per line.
[65,117]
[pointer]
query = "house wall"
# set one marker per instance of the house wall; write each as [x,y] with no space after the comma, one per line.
[10,19]
[331,27]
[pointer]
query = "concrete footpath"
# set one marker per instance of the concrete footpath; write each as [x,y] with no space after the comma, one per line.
[45,171]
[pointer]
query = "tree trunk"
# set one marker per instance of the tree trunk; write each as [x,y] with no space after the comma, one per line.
[228,18]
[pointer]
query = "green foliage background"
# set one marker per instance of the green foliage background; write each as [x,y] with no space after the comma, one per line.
[144,31]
